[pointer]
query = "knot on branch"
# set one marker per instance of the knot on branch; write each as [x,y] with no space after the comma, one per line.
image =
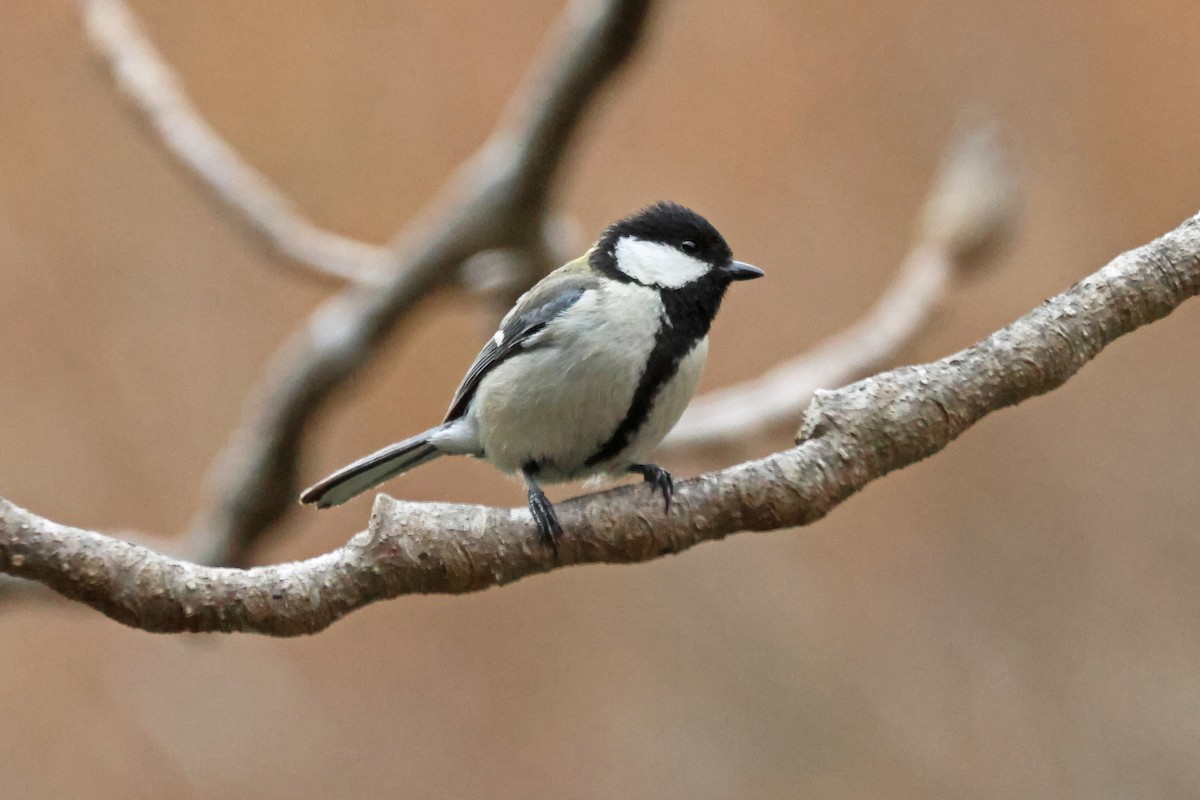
[816,421]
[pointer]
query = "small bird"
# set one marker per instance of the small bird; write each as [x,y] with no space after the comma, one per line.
[589,370]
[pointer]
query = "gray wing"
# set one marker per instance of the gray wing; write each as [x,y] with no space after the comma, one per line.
[531,314]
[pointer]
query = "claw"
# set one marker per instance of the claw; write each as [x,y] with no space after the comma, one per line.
[660,479]
[543,511]
[543,514]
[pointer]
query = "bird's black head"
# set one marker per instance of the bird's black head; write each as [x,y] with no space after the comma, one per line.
[669,247]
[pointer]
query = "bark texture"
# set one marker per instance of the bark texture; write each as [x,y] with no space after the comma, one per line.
[850,437]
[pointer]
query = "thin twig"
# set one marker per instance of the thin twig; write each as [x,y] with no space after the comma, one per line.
[493,202]
[970,206]
[10,587]
[142,74]
[850,437]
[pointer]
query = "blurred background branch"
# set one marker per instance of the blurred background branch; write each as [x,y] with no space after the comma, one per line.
[9,586]
[157,93]
[498,199]
[1014,618]
[850,437]
[498,208]
[969,211]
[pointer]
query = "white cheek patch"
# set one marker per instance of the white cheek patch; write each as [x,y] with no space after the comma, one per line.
[656,263]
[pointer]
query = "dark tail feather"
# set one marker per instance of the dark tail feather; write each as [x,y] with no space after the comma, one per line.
[367,473]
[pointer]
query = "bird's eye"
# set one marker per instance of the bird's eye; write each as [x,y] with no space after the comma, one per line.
[689,247]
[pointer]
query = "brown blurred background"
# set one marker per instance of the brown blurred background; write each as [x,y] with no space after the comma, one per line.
[1018,617]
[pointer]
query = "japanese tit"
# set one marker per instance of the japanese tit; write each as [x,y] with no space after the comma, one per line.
[589,370]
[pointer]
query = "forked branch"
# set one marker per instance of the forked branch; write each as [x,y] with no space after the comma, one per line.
[498,200]
[157,93]
[497,205]
[850,437]
[968,212]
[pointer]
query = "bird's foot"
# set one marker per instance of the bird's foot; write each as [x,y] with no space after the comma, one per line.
[660,479]
[543,514]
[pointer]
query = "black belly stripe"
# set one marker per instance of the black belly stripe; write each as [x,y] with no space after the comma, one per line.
[689,314]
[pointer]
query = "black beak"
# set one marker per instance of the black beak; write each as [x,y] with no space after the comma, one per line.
[741,271]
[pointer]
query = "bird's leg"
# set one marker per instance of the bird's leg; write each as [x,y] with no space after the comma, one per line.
[542,509]
[659,478]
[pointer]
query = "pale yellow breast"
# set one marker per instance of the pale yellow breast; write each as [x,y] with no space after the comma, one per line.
[557,404]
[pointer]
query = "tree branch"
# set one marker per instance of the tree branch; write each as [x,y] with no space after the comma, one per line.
[850,437]
[595,39]
[969,209]
[496,201]
[144,77]
[9,586]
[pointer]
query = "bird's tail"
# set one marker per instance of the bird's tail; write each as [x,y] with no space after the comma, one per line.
[366,473]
